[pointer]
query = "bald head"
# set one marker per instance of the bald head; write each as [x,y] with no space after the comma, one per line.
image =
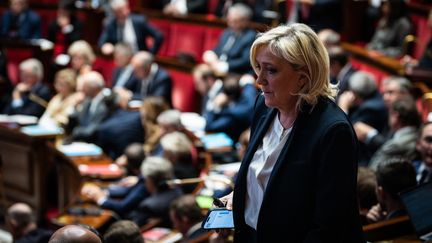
[20,215]
[74,234]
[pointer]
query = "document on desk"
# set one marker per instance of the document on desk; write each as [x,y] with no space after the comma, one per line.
[38,130]
[20,119]
[80,149]
[217,140]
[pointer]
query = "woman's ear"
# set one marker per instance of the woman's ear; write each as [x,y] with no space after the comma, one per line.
[303,79]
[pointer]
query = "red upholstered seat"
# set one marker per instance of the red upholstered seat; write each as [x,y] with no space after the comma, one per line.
[14,57]
[212,36]
[186,39]
[183,91]
[423,35]
[105,66]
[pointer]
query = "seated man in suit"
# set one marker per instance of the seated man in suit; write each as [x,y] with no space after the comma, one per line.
[20,22]
[187,217]
[156,171]
[404,120]
[396,176]
[130,28]
[123,76]
[153,80]
[182,8]
[363,103]
[424,147]
[340,67]
[124,231]
[125,195]
[231,54]
[96,107]
[393,88]
[30,96]
[22,224]
[207,85]
[232,113]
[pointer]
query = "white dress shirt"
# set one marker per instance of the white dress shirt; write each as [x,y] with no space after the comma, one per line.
[129,35]
[261,167]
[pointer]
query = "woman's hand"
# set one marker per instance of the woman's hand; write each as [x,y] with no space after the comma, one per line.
[227,200]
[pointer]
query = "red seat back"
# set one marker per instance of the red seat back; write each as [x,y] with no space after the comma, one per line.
[183,91]
[186,38]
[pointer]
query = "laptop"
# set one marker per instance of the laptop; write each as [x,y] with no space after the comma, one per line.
[418,204]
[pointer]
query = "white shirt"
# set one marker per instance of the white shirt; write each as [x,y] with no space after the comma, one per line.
[260,169]
[129,35]
[124,76]
[180,5]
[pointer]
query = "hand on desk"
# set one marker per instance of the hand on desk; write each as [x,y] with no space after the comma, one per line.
[375,214]
[93,192]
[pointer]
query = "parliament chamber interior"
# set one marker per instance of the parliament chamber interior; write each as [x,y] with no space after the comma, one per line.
[137,113]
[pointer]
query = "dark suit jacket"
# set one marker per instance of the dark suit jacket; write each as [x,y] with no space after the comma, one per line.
[235,118]
[160,85]
[372,112]
[29,25]
[118,131]
[30,107]
[86,124]
[131,83]
[74,35]
[133,196]
[193,6]
[35,236]
[142,30]
[238,54]
[156,206]
[311,193]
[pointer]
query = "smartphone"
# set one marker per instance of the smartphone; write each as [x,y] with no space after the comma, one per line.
[218,218]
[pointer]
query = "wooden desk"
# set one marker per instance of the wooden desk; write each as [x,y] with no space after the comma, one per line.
[387,64]
[96,221]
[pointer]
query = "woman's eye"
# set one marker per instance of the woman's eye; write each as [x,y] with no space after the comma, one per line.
[271,70]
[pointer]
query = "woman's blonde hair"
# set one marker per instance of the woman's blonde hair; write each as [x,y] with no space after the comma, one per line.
[83,48]
[68,76]
[299,45]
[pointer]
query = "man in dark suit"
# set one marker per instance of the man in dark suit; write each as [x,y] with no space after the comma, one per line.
[156,172]
[231,54]
[423,167]
[20,22]
[181,8]
[340,68]
[187,217]
[22,225]
[153,80]
[363,103]
[125,195]
[96,107]
[30,96]
[129,28]
[123,76]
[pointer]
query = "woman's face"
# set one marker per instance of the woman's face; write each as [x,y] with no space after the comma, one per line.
[62,87]
[277,79]
[78,61]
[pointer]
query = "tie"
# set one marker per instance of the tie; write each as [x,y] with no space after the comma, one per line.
[424,176]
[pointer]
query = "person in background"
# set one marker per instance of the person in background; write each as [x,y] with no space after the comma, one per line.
[393,88]
[74,234]
[231,54]
[30,96]
[20,22]
[392,178]
[132,29]
[82,57]
[207,85]
[233,107]
[341,69]
[124,196]
[62,105]
[20,220]
[393,26]
[404,121]
[156,171]
[123,231]
[153,80]
[283,188]
[187,217]
[123,76]
[183,7]
[329,38]
[423,166]
[366,187]
[65,29]
[96,107]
